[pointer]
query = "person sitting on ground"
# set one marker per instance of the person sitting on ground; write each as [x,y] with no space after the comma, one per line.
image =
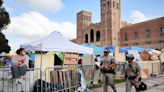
[19,65]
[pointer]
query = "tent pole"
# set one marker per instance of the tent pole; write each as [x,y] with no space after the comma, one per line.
[41,70]
[92,78]
[160,64]
[41,61]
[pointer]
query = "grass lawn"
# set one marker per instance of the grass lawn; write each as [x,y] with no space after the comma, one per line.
[100,84]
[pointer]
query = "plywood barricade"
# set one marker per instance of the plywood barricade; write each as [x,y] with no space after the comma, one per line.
[47,61]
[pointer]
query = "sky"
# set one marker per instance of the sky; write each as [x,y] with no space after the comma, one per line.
[34,19]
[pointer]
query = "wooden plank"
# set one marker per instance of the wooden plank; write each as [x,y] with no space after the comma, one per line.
[76,79]
[61,78]
[69,81]
[71,56]
[73,78]
[64,76]
[69,62]
[54,77]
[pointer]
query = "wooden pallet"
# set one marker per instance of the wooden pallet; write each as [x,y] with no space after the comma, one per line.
[70,59]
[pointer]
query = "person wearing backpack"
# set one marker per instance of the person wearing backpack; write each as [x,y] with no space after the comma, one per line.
[132,74]
[107,67]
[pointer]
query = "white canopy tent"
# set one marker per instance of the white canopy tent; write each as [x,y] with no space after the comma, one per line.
[55,42]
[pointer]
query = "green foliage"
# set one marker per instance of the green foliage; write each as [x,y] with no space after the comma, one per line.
[4,17]
[4,47]
[4,21]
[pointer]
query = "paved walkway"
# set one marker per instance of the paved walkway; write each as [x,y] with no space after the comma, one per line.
[154,84]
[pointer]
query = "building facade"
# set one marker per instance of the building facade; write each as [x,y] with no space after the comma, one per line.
[112,31]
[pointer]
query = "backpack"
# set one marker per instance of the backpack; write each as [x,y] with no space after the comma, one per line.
[37,87]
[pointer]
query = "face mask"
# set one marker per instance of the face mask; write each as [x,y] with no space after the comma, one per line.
[23,53]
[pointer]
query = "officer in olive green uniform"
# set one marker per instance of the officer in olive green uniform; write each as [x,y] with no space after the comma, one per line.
[106,66]
[132,74]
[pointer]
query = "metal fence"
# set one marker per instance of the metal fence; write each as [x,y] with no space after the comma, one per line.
[66,79]
[7,83]
[60,78]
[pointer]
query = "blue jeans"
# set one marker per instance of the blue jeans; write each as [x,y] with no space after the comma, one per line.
[15,70]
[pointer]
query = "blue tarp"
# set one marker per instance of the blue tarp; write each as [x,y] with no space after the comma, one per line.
[137,48]
[32,56]
[113,48]
[96,50]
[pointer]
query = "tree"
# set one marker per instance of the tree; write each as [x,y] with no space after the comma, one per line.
[4,17]
[4,47]
[4,21]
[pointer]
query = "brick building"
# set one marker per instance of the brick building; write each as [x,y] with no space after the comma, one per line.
[112,31]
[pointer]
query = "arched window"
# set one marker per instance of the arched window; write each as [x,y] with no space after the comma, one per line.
[162,31]
[113,4]
[97,36]
[117,6]
[108,5]
[147,33]
[104,6]
[92,35]
[86,38]
[136,35]
[126,37]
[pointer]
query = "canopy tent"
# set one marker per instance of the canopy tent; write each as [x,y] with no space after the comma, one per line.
[55,42]
[96,50]
[155,51]
[113,48]
[61,56]
[137,48]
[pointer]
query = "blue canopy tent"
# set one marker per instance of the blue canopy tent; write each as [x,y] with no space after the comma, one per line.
[96,50]
[113,48]
[137,48]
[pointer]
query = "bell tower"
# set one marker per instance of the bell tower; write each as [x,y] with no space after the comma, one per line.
[84,19]
[110,22]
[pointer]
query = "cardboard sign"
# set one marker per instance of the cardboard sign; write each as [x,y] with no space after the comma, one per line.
[145,56]
[154,56]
